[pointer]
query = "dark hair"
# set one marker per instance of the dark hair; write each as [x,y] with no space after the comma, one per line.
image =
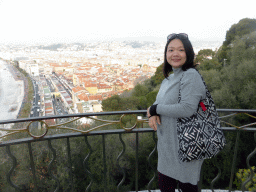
[190,54]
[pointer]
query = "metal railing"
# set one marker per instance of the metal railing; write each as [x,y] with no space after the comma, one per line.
[48,130]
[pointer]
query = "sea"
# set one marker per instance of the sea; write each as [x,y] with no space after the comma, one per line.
[11,93]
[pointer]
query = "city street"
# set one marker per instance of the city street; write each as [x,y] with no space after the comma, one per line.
[35,110]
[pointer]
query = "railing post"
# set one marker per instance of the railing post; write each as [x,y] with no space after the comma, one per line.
[14,164]
[219,173]
[249,167]
[137,163]
[118,158]
[85,163]
[154,169]
[50,166]
[104,163]
[70,164]
[32,164]
[234,160]
[201,178]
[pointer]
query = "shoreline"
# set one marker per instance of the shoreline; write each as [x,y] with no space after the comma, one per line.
[12,91]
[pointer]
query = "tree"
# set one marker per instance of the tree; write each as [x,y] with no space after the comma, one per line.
[151,97]
[112,104]
[233,87]
[158,77]
[207,64]
[140,90]
[204,54]
[243,27]
[221,54]
[243,49]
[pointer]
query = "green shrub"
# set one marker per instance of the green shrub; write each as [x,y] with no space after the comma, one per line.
[242,175]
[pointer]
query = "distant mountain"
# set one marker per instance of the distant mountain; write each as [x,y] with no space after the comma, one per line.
[52,47]
[205,43]
[55,47]
[133,43]
[138,44]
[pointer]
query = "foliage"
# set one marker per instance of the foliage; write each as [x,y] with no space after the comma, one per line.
[140,90]
[242,175]
[243,27]
[28,94]
[238,85]
[243,49]
[117,103]
[232,87]
[22,176]
[158,77]
[204,54]
[207,64]
[221,54]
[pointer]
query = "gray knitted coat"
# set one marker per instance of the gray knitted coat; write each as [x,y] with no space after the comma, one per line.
[192,90]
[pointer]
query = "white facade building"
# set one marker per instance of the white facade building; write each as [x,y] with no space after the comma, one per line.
[30,67]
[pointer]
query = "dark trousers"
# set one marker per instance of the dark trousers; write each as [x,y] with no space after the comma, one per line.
[168,184]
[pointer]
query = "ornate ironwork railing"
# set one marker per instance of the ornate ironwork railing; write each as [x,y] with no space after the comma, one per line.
[51,128]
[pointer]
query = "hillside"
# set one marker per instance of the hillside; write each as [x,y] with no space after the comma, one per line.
[228,72]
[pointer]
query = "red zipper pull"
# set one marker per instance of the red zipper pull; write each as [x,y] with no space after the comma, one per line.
[203,106]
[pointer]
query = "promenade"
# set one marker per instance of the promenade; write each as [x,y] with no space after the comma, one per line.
[18,76]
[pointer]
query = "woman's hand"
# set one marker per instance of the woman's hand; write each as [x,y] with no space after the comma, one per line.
[148,113]
[153,121]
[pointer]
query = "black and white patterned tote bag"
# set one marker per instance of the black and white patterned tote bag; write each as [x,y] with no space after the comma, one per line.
[200,136]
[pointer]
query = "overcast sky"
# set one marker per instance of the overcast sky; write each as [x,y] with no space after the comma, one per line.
[102,20]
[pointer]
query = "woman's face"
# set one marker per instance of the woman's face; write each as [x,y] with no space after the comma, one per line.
[176,55]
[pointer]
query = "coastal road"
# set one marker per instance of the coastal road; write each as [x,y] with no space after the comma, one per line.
[35,111]
[36,101]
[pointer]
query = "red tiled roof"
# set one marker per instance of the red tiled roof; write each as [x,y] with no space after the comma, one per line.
[103,86]
[83,97]
[77,89]
[89,84]
[95,97]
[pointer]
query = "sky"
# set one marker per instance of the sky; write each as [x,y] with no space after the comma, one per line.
[62,21]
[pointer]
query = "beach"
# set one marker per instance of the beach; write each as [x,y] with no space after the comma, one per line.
[11,92]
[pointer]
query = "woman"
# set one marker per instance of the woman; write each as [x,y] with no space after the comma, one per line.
[163,114]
